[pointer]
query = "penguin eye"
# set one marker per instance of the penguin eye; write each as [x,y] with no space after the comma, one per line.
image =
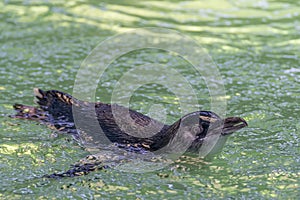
[204,122]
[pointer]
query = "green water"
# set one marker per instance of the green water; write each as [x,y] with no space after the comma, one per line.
[256,46]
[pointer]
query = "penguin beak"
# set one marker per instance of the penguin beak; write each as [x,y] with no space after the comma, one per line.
[232,124]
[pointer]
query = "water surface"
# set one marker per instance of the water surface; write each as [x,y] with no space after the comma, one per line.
[256,46]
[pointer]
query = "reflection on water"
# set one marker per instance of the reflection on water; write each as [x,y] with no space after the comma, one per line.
[254,43]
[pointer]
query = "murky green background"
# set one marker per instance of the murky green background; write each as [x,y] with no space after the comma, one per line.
[256,45]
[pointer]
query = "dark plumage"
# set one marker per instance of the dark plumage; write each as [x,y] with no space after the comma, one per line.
[124,126]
